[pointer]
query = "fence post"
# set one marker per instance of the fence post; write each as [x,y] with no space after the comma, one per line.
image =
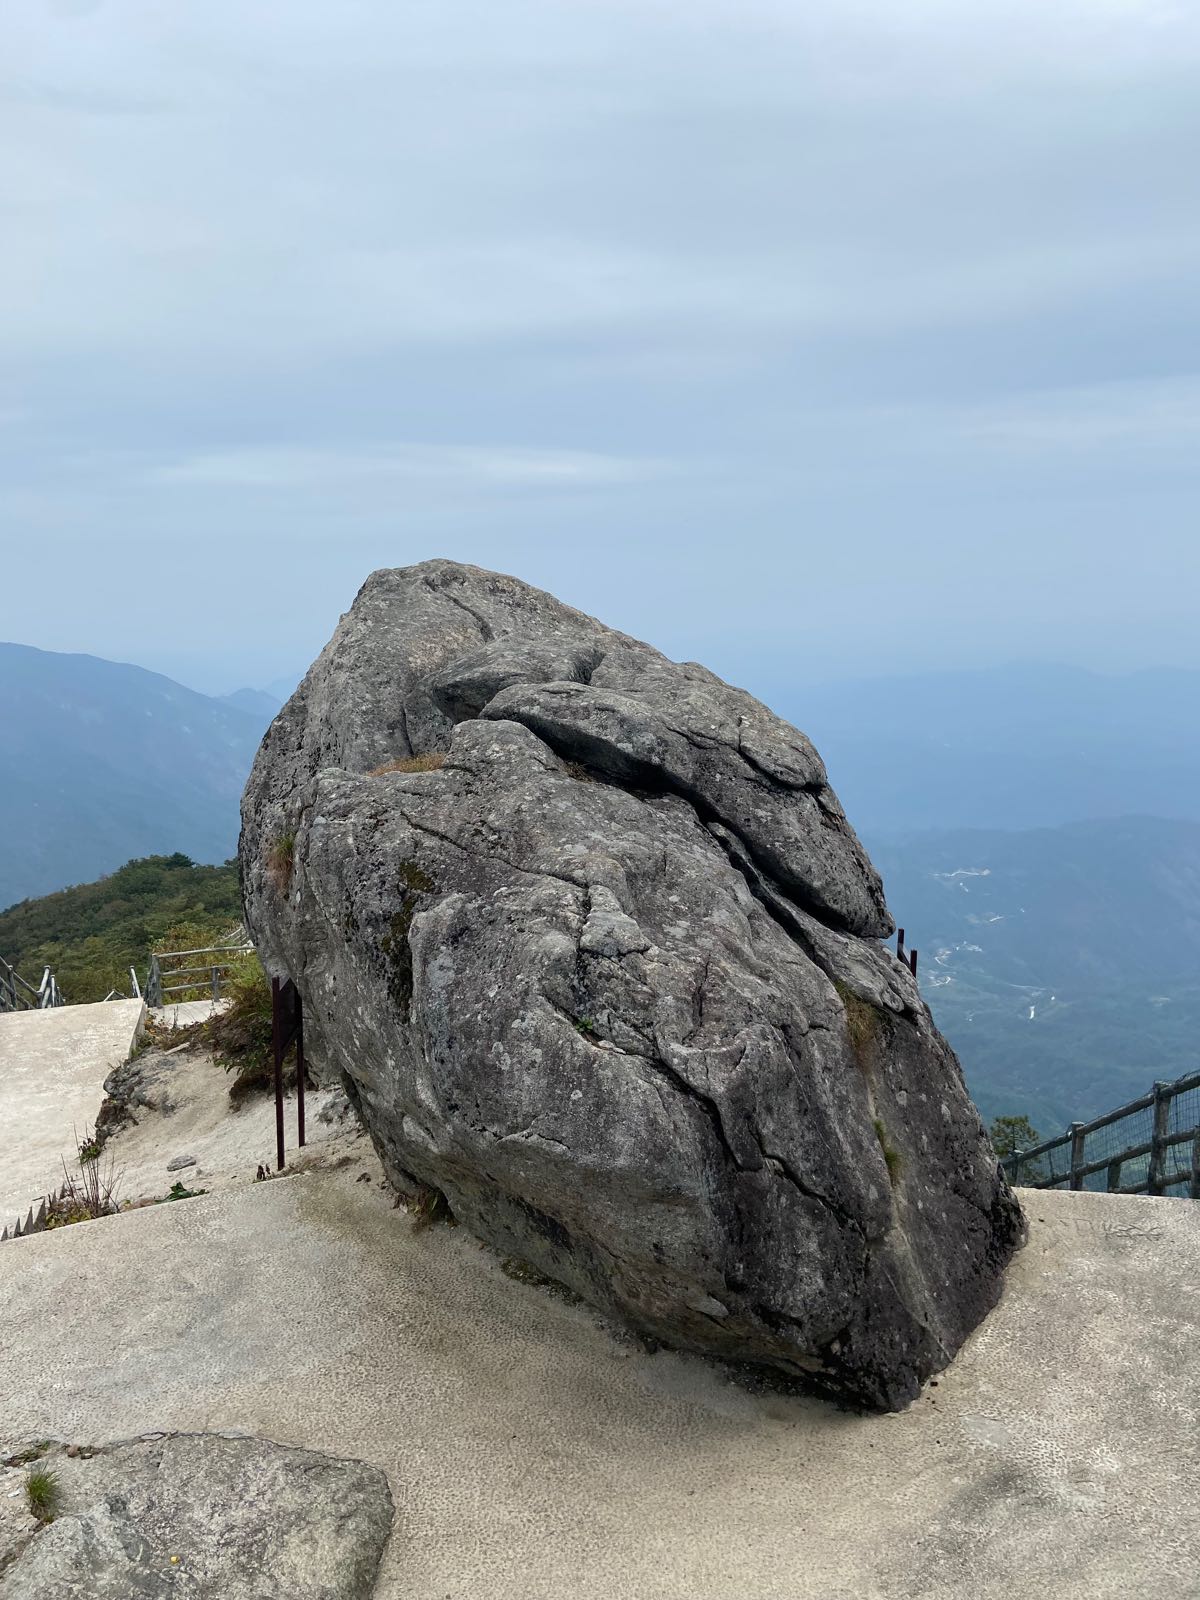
[1114,1175]
[300,1069]
[1015,1158]
[277,1057]
[1077,1138]
[216,984]
[154,983]
[1194,1186]
[1162,1114]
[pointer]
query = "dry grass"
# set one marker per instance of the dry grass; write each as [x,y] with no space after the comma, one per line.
[862,1021]
[432,761]
[428,1206]
[281,861]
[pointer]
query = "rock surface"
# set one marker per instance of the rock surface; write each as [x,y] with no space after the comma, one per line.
[200,1517]
[589,940]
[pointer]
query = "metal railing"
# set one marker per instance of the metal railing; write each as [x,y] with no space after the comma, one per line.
[206,980]
[1150,1146]
[18,995]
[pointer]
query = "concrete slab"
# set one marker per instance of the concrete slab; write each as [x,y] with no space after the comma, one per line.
[52,1070]
[532,1454]
[185,1013]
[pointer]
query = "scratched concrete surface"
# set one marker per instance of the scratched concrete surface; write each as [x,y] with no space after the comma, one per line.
[52,1070]
[533,1454]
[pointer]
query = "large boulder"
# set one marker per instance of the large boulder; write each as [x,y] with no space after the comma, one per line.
[593,946]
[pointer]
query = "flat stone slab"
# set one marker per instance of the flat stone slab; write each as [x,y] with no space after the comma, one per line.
[200,1517]
[52,1070]
[533,1455]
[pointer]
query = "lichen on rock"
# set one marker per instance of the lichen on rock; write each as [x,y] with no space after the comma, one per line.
[639,1030]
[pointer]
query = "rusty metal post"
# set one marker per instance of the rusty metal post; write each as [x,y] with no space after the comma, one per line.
[900,944]
[300,1068]
[912,961]
[277,1052]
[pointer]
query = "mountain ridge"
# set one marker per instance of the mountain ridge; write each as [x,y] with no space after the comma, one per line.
[104,761]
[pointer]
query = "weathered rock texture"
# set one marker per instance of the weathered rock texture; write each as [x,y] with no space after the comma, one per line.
[608,977]
[197,1517]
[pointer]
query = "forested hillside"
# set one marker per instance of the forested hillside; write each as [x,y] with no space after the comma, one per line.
[91,934]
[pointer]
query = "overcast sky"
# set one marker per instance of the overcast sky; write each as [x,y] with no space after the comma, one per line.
[806,337]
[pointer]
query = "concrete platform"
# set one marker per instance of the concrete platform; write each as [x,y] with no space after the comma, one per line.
[52,1070]
[533,1455]
[185,1013]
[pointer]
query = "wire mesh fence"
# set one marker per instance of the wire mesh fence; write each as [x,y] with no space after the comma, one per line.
[1150,1146]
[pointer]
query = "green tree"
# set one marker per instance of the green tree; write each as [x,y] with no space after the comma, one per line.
[1010,1134]
[1013,1133]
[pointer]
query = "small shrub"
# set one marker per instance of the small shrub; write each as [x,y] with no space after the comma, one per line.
[179,1191]
[891,1156]
[281,861]
[89,1188]
[43,1494]
[240,1034]
[432,761]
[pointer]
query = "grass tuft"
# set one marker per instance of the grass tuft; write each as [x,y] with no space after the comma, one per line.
[43,1493]
[432,761]
[89,1186]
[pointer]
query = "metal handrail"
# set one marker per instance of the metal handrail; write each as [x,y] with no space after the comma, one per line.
[17,994]
[1156,1179]
[156,990]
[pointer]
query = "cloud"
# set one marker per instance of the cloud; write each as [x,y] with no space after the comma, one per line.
[1155,414]
[295,468]
[808,289]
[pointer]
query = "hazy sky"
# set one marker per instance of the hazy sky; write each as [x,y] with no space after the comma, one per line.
[802,336]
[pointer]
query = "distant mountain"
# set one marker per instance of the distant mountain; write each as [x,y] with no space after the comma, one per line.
[1015,747]
[255,703]
[101,762]
[1062,963]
